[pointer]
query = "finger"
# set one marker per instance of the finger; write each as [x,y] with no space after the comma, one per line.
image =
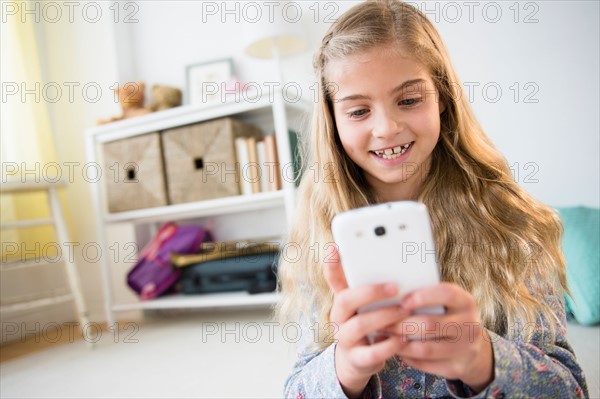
[429,350]
[445,294]
[358,327]
[334,274]
[347,302]
[449,326]
[371,355]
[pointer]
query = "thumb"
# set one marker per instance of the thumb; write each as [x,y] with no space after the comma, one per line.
[333,272]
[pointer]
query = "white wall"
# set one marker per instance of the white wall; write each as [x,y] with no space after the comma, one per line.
[559,135]
[553,144]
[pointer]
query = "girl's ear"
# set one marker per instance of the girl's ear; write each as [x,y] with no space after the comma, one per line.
[442,107]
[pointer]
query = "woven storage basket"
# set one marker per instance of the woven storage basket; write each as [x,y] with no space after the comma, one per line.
[200,159]
[134,173]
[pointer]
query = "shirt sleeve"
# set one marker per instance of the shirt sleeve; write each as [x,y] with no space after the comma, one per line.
[539,368]
[314,376]
[313,373]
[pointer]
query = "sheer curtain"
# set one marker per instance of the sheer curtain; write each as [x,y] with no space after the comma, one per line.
[26,142]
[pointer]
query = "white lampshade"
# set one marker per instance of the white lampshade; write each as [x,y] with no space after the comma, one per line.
[287,46]
[278,38]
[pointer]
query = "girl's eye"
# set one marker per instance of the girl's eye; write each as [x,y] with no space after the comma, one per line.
[410,101]
[357,114]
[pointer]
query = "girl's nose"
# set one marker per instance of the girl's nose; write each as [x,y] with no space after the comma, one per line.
[387,125]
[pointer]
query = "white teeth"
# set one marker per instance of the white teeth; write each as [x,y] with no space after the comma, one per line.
[392,153]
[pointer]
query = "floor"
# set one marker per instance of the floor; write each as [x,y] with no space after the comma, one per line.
[205,355]
[200,355]
[46,340]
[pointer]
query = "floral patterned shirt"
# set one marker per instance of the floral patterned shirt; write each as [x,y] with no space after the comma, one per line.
[535,369]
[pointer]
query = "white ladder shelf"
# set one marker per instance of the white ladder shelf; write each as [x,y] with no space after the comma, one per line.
[57,220]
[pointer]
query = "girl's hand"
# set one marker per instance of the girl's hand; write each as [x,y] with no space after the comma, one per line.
[454,345]
[355,360]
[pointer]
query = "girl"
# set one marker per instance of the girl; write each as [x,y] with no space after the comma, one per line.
[393,122]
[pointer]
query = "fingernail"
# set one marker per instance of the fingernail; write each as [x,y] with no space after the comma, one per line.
[406,301]
[391,288]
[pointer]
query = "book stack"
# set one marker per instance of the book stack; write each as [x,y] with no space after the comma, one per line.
[258,164]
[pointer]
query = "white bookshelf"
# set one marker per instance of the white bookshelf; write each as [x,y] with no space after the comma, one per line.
[222,206]
[212,301]
[234,217]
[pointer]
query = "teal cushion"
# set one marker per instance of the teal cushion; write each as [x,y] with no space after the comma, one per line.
[581,243]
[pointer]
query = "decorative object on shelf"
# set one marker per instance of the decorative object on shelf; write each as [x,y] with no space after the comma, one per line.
[164,97]
[276,39]
[296,156]
[153,273]
[135,173]
[201,159]
[204,81]
[131,97]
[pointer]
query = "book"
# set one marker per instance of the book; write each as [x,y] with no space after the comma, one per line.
[210,251]
[261,151]
[252,169]
[241,149]
[273,163]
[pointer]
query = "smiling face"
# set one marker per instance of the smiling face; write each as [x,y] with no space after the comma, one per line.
[387,115]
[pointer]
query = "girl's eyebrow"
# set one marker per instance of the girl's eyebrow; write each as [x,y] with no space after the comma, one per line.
[392,92]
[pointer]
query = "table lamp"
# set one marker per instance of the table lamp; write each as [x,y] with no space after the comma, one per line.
[275,39]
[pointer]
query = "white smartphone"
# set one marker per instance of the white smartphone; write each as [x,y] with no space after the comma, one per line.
[388,242]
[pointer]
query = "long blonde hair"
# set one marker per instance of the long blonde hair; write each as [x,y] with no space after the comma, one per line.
[492,238]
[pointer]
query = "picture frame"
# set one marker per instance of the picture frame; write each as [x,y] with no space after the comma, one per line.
[206,75]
